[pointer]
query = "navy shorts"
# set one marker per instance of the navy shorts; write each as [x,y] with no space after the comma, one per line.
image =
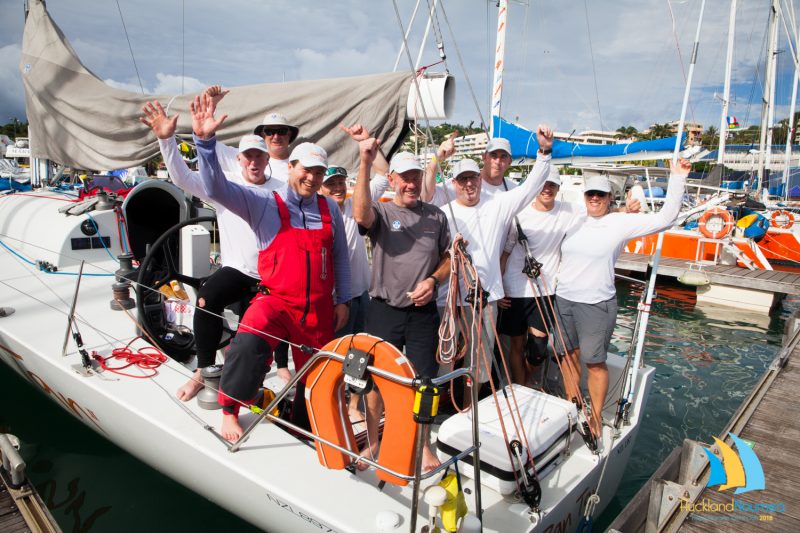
[524,313]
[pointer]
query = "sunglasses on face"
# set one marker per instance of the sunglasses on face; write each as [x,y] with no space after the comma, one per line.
[464,179]
[269,132]
[599,194]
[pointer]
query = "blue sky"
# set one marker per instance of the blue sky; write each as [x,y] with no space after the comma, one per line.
[549,76]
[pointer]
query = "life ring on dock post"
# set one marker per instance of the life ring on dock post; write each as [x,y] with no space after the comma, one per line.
[782,219]
[720,220]
[328,414]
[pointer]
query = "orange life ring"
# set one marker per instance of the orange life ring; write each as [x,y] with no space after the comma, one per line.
[722,225]
[327,408]
[782,219]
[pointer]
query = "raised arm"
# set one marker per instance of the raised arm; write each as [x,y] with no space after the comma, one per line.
[445,150]
[511,202]
[362,199]
[357,132]
[644,224]
[163,126]
[246,202]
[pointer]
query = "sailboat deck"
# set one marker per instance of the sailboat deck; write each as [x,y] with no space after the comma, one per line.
[764,280]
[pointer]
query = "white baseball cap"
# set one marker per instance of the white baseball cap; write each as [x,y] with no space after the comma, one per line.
[498,143]
[276,119]
[310,155]
[252,141]
[554,176]
[404,161]
[465,165]
[597,183]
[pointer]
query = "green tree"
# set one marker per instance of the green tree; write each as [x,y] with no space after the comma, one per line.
[14,128]
[710,137]
[627,132]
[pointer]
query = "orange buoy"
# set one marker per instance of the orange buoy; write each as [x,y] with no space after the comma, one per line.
[327,408]
[782,219]
[715,223]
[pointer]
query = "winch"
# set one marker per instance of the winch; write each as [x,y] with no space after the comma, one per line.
[207,398]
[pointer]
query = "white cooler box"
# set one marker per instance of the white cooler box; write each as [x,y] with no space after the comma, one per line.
[547,422]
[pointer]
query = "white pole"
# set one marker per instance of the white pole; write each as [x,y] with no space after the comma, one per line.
[771,106]
[790,129]
[499,63]
[762,145]
[408,31]
[425,37]
[633,371]
[723,125]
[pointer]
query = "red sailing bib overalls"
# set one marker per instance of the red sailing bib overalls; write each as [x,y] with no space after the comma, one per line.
[296,270]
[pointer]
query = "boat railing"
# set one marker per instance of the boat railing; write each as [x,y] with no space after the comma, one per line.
[402,380]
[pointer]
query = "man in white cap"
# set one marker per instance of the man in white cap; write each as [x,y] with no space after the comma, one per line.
[525,313]
[302,263]
[277,131]
[496,160]
[238,278]
[410,240]
[483,222]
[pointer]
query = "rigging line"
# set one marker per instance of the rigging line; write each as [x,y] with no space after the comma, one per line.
[594,70]
[130,47]
[137,284]
[408,31]
[461,63]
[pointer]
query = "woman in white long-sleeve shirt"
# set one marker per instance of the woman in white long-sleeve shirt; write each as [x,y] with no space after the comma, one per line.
[585,294]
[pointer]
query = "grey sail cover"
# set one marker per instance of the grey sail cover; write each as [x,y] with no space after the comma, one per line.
[78,120]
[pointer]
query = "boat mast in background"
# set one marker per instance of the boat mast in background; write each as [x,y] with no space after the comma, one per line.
[769,91]
[499,63]
[723,125]
[790,127]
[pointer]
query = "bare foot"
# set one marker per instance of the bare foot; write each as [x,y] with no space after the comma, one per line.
[369,452]
[284,374]
[190,389]
[231,430]
[429,459]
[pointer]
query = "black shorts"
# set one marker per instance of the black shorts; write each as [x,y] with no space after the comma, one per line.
[414,328]
[524,313]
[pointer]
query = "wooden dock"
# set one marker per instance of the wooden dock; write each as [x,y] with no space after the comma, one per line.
[674,497]
[774,281]
[21,508]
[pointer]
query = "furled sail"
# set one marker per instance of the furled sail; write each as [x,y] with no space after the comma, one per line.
[524,146]
[76,119]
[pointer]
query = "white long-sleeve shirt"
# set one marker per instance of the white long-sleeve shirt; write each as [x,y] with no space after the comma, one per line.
[440,197]
[592,247]
[485,227]
[238,244]
[360,274]
[545,231]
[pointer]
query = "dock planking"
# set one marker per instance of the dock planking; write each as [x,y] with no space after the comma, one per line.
[733,276]
[11,520]
[774,427]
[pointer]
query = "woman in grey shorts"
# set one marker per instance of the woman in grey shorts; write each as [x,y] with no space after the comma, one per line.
[586,298]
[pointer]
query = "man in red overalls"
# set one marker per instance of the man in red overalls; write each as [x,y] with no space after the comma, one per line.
[303,264]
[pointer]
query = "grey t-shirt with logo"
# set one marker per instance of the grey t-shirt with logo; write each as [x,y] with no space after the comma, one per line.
[407,246]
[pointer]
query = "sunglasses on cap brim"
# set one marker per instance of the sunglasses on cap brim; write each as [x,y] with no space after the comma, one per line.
[335,171]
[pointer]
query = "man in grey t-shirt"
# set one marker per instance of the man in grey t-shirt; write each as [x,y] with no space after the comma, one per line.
[409,261]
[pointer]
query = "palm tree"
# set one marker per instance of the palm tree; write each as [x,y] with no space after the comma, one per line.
[627,132]
[659,131]
[710,137]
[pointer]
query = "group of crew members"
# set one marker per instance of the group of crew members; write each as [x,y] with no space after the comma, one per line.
[293,241]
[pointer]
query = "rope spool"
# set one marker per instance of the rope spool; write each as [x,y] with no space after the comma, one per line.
[715,223]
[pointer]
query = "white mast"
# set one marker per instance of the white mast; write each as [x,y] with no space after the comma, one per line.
[499,63]
[790,129]
[766,108]
[723,125]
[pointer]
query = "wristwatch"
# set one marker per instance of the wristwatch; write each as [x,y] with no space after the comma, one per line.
[546,152]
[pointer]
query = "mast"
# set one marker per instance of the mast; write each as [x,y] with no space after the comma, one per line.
[766,106]
[644,309]
[499,63]
[790,127]
[723,125]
